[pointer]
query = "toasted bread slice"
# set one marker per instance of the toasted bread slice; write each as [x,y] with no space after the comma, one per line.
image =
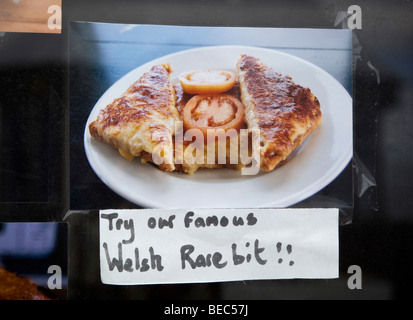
[284,112]
[140,123]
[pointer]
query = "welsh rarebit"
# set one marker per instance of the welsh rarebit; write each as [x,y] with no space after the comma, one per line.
[284,112]
[140,123]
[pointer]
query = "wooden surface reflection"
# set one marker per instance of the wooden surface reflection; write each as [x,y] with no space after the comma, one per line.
[40,16]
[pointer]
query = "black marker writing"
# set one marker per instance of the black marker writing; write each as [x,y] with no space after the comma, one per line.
[239,259]
[214,221]
[289,249]
[201,260]
[153,262]
[162,223]
[127,224]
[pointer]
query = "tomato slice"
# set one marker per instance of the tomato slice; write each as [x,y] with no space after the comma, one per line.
[216,111]
[207,81]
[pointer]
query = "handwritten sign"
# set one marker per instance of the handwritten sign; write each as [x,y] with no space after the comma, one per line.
[153,246]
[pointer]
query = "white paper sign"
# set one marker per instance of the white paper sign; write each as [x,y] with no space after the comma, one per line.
[153,246]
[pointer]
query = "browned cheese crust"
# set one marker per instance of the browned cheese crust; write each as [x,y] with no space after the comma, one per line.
[284,112]
[142,118]
[15,287]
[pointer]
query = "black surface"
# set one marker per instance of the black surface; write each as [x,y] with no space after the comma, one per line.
[34,172]
[33,127]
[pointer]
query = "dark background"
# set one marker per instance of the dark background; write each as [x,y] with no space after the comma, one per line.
[34,141]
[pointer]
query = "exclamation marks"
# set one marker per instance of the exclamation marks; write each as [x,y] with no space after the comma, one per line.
[288,248]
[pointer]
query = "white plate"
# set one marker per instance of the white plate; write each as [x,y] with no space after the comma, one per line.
[312,166]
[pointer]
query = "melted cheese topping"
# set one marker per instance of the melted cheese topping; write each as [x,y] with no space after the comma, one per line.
[284,112]
[142,119]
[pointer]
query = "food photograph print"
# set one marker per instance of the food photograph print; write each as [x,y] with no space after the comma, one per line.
[209,117]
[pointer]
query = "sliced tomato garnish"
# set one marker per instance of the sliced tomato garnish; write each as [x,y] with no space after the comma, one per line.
[207,81]
[216,111]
